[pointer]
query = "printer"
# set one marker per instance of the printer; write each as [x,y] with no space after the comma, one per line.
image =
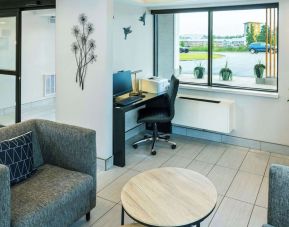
[154,85]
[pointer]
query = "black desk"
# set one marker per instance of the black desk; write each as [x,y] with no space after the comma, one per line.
[119,126]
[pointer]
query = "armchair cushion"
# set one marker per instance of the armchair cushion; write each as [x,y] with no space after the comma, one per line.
[17,154]
[46,194]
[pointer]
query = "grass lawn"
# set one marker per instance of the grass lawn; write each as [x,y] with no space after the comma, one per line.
[197,56]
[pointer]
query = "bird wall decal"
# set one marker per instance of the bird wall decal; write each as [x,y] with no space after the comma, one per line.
[143,18]
[127,31]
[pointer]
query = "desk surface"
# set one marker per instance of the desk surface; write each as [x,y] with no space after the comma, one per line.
[169,197]
[148,97]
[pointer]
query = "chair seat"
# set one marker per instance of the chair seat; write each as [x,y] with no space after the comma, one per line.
[153,115]
[48,191]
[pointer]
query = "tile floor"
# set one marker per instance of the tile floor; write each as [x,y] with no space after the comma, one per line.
[239,174]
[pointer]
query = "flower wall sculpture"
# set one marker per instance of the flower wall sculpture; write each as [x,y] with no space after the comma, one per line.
[83,48]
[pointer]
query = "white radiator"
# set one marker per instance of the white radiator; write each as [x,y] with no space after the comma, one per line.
[203,113]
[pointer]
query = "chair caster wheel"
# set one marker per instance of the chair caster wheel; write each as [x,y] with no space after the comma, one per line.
[153,153]
[135,146]
[146,137]
[174,147]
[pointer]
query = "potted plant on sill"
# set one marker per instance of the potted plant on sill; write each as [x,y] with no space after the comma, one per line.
[199,71]
[226,73]
[259,73]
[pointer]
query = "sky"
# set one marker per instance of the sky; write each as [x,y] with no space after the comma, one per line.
[226,23]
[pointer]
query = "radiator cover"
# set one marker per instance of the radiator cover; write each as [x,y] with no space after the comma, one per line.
[204,113]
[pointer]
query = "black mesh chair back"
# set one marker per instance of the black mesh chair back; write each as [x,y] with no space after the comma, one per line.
[172,94]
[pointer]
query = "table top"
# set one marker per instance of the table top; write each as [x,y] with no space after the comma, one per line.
[148,97]
[169,197]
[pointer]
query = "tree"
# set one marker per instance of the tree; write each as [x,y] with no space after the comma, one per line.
[262,36]
[250,36]
[182,43]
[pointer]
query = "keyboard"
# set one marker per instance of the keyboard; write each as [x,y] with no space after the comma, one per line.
[128,101]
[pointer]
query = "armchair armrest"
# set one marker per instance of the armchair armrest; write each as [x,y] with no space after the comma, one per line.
[5,196]
[69,147]
[278,204]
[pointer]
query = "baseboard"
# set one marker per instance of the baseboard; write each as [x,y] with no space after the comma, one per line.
[134,131]
[233,140]
[104,164]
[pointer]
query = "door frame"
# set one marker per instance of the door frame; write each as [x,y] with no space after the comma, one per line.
[17,12]
[17,72]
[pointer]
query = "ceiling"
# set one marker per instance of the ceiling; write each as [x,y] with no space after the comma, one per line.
[168,3]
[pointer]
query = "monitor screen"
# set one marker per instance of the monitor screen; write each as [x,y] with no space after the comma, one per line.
[122,83]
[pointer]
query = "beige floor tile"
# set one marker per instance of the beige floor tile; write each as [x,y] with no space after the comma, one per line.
[112,218]
[255,163]
[191,150]
[262,198]
[276,160]
[177,161]
[222,178]
[212,153]
[134,157]
[106,177]
[232,213]
[200,167]
[112,191]
[260,152]
[152,162]
[280,155]
[102,207]
[258,217]
[233,157]
[207,221]
[245,187]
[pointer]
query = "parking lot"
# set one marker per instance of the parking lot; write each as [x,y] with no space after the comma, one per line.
[241,63]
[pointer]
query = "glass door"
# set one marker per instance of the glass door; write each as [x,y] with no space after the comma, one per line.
[9,69]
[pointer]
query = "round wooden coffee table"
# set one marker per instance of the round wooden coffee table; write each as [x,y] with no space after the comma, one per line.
[168,197]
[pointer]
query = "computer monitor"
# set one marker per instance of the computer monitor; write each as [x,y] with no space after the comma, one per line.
[122,83]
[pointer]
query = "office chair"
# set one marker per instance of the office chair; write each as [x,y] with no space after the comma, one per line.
[159,115]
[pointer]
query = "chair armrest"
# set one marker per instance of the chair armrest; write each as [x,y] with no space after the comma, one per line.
[278,204]
[5,196]
[69,147]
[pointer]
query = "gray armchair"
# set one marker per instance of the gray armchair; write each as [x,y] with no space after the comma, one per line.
[278,206]
[64,187]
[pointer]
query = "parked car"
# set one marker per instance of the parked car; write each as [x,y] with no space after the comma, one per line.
[259,47]
[184,50]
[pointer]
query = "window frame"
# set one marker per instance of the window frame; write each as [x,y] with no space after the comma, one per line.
[210,11]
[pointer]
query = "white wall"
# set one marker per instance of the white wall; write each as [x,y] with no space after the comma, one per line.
[258,118]
[91,107]
[135,53]
[38,53]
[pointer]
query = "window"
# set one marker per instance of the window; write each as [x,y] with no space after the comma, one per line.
[230,47]
[193,47]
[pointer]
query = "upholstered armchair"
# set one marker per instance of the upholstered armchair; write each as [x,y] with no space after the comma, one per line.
[63,189]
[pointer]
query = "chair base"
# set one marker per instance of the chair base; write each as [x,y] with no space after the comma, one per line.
[154,138]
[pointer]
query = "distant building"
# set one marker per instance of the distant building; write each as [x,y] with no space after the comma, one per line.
[201,40]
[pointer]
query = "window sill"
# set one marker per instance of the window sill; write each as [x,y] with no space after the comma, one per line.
[231,91]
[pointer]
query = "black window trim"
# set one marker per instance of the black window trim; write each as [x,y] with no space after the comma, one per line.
[210,11]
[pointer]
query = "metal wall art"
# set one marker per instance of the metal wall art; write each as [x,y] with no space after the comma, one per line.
[83,48]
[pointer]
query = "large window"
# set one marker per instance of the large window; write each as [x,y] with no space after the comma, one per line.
[231,47]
